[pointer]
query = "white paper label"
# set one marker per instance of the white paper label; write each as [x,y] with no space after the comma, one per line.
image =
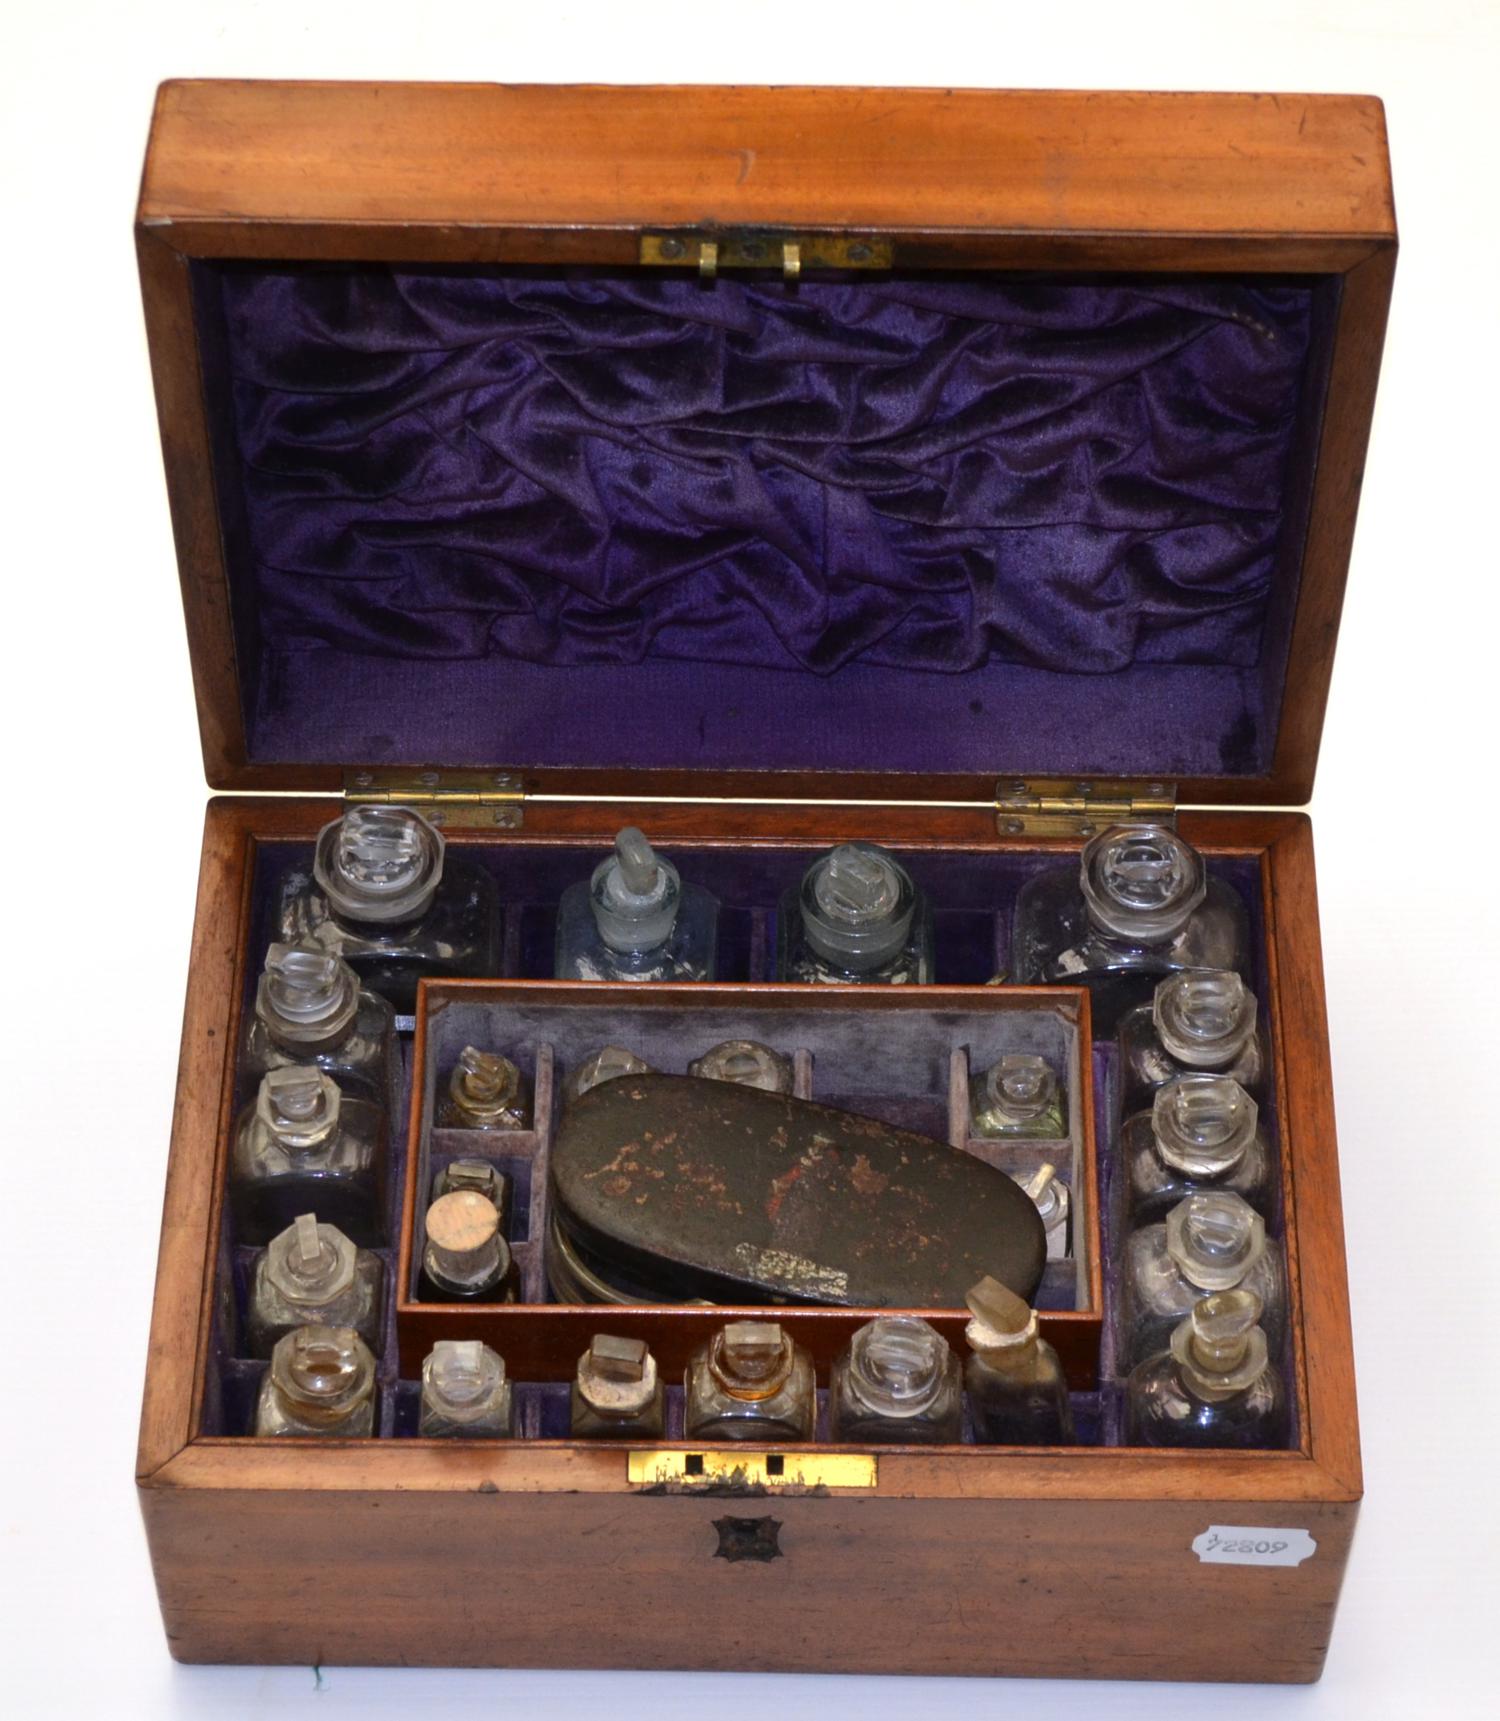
[1253,1545]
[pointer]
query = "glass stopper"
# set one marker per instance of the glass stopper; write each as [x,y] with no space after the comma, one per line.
[1142,881]
[462,1374]
[635,895]
[1220,1347]
[896,1364]
[306,994]
[379,864]
[299,1104]
[1215,1237]
[1204,1016]
[1203,1124]
[750,1359]
[857,905]
[323,1370]
[617,1376]
[309,1262]
[1021,1086]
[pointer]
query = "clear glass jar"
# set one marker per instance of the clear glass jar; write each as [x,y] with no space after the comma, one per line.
[321,1382]
[1202,1132]
[483,1178]
[750,1382]
[466,1394]
[1212,1241]
[1139,905]
[1214,1387]
[746,1062]
[856,919]
[311,1009]
[1018,1097]
[617,1393]
[302,1147]
[1203,1019]
[485,1090]
[605,1065]
[1018,1394]
[387,894]
[897,1383]
[313,1275]
[635,919]
[464,1257]
[1054,1201]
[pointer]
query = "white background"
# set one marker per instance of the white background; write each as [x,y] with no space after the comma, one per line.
[105,799]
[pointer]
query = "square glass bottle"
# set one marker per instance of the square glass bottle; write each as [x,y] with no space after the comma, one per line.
[485,1090]
[311,1009]
[855,919]
[390,896]
[321,1382]
[311,1274]
[635,919]
[750,1382]
[466,1393]
[1202,1132]
[1139,905]
[898,1382]
[617,1393]
[1018,1394]
[1017,1098]
[302,1147]
[1214,1387]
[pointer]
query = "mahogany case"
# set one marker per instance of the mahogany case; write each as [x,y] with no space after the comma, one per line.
[721,282]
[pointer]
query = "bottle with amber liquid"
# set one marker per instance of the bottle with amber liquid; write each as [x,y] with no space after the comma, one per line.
[751,1382]
[302,1146]
[1018,1395]
[1215,1386]
[485,1091]
[388,894]
[321,1382]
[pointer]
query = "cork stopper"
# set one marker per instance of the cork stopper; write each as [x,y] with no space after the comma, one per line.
[464,1246]
[616,1376]
[1001,1321]
[751,1359]
[1220,1346]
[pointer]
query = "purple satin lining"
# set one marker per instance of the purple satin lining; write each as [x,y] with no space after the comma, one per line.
[937,477]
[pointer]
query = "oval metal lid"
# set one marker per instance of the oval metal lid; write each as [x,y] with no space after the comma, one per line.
[756,1196]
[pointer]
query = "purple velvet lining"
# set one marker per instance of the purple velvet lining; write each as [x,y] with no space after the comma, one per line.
[1047,514]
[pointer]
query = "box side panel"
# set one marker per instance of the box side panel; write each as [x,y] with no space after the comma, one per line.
[840,1584]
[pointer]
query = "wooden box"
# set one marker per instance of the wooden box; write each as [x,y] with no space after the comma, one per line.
[958,470]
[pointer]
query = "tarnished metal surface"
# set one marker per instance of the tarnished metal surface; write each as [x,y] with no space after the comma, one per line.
[680,1189]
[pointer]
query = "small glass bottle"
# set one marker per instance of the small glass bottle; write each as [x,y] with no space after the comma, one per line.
[1202,1132]
[485,1091]
[388,895]
[466,1393]
[750,1382]
[617,1394]
[897,1383]
[603,1066]
[482,1177]
[856,918]
[301,1146]
[311,1009]
[1017,1097]
[1018,1395]
[1212,1241]
[636,920]
[1202,1019]
[746,1062]
[321,1381]
[465,1259]
[313,1275]
[1139,905]
[1054,1201]
[1214,1387]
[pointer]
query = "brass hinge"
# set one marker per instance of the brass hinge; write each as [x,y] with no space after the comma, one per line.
[1073,807]
[709,251]
[452,798]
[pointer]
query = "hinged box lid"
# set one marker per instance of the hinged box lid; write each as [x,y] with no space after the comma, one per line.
[882,444]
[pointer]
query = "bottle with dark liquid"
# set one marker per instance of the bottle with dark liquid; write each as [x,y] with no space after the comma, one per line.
[388,895]
[1214,1387]
[311,1009]
[465,1259]
[1018,1395]
[1140,905]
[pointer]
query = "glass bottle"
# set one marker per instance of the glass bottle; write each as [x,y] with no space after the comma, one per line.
[1018,1395]
[311,1009]
[1139,905]
[301,1146]
[856,918]
[603,1066]
[388,895]
[321,1381]
[1202,1132]
[1214,1386]
[897,1382]
[636,920]
[311,1274]
[1017,1097]
[1054,1201]
[1212,1241]
[465,1259]
[746,1062]
[617,1393]
[1202,1019]
[466,1393]
[482,1177]
[750,1382]
[485,1091]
